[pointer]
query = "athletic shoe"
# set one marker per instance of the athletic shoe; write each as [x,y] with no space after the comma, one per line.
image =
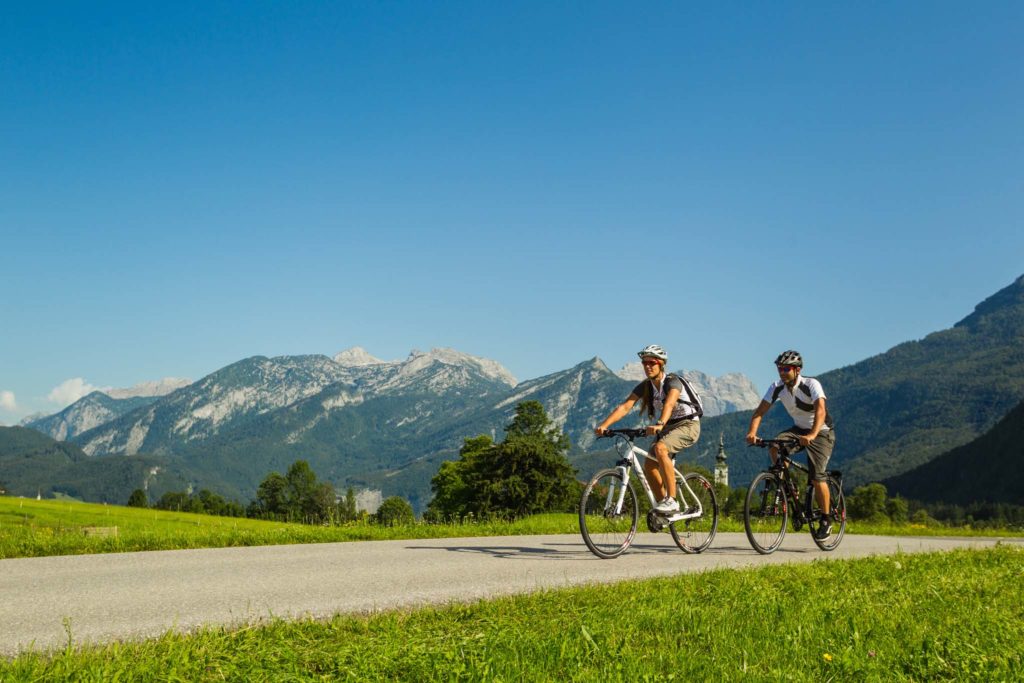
[667,506]
[824,530]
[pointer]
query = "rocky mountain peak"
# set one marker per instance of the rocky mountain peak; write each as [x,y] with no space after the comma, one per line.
[491,369]
[160,387]
[356,357]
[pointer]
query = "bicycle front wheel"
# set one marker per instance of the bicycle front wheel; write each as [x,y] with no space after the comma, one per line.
[695,535]
[836,516]
[609,515]
[765,513]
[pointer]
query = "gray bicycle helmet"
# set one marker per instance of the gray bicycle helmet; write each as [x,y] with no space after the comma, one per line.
[790,358]
[653,351]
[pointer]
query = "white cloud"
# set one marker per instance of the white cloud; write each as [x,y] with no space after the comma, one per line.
[7,401]
[69,391]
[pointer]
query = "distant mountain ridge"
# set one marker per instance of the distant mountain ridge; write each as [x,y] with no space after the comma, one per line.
[388,424]
[357,418]
[900,409]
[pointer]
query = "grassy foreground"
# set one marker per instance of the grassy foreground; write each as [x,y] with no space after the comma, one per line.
[37,528]
[955,616]
[33,528]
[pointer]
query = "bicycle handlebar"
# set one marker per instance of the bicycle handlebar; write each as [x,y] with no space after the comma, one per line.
[628,433]
[767,443]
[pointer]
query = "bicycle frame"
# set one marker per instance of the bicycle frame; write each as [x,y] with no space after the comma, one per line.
[631,461]
[789,487]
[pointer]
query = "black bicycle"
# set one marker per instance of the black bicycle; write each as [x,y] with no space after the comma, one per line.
[774,492]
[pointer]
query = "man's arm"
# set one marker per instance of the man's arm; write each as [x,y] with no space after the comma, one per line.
[819,420]
[755,420]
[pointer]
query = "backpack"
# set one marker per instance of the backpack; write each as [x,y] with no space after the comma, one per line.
[692,397]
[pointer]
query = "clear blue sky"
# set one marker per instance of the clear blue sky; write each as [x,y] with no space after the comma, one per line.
[184,185]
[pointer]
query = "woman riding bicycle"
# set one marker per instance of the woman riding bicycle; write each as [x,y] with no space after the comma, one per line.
[677,425]
[804,400]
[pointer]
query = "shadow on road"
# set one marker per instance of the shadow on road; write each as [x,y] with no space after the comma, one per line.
[578,551]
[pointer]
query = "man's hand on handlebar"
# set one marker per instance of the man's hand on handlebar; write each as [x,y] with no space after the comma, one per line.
[752,439]
[599,431]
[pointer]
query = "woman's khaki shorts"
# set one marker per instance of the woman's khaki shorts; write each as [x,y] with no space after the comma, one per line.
[680,437]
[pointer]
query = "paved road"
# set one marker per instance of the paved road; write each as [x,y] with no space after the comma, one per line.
[135,595]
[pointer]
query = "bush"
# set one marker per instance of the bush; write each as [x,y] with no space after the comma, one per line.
[394,511]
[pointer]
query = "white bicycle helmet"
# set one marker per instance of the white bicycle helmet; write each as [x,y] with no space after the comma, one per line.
[790,358]
[653,351]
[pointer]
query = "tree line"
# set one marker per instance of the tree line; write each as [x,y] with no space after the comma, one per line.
[527,473]
[296,496]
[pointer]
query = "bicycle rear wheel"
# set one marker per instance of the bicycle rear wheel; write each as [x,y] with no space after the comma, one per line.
[695,535]
[607,527]
[836,516]
[765,513]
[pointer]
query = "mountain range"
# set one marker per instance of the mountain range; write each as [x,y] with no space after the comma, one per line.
[358,420]
[388,425]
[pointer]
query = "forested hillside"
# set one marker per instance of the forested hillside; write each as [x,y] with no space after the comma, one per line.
[32,463]
[989,469]
[902,408]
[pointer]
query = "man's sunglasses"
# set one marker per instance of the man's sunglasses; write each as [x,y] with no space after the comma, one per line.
[786,368]
[650,362]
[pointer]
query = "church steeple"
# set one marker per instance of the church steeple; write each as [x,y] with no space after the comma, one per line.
[721,466]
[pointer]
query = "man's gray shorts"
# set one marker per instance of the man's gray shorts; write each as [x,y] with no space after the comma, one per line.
[818,452]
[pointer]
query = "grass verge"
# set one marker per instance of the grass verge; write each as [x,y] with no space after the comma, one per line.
[33,528]
[940,616]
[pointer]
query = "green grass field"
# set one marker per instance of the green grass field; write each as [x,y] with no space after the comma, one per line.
[33,528]
[954,616]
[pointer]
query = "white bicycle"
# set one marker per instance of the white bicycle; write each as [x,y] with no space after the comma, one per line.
[610,515]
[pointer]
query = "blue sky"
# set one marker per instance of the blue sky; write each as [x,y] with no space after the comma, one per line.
[538,183]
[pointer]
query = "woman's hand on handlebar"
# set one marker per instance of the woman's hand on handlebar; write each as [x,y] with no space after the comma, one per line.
[752,439]
[599,431]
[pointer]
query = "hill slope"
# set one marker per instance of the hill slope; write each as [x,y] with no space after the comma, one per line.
[902,408]
[989,469]
[32,463]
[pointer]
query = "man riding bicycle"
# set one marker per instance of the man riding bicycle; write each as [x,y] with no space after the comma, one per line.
[677,425]
[804,400]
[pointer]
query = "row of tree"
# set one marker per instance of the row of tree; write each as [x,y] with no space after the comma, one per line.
[526,473]
[296,496]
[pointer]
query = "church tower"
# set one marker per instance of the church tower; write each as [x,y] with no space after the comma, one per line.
[721,467]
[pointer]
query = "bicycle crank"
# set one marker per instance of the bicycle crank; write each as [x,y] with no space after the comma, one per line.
[655,522]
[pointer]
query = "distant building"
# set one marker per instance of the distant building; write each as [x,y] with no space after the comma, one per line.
[369,500]
[721,467]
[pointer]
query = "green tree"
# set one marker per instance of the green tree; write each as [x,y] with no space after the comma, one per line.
[525,474]
[173,500]
[532,421]
[296,496]
[896,508]
[394,511]
[271,497]
[138,499]
[456,481]
[347,506]
[301,491]
[868,503]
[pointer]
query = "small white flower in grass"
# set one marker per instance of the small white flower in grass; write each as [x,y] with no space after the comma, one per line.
[897,565]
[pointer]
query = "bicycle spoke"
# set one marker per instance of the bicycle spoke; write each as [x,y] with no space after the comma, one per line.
[608,514]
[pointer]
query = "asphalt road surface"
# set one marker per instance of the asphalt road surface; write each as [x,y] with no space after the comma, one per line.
[99,598]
